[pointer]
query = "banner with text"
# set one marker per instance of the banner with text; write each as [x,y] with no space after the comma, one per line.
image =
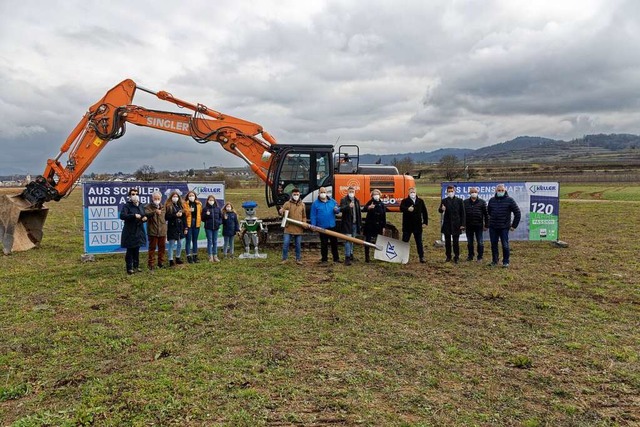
[102,202]
[538,203]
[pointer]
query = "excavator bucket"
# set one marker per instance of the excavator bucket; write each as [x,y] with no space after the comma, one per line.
[20,223]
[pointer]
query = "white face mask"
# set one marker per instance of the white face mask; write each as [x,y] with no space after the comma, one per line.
[352,195]
[192,198]
[473,195]
[295,197]
[135,198]
[211,203]
[157,202]
[229,208]
[450,194]
[412,195]
[174,199]
[376,197]
[323,195]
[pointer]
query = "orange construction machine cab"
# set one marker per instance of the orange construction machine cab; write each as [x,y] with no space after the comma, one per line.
[309,167]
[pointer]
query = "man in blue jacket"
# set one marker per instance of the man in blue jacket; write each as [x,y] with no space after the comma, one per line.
[323,214]
[500,208]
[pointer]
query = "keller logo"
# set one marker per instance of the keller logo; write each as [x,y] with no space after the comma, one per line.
[541,187]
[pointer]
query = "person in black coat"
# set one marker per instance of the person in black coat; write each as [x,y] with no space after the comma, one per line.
[375,221]
[500,208]
[453,222]
[133,234]
[475,210]
[176,227]
[414,217]
[212,218]
[351,223]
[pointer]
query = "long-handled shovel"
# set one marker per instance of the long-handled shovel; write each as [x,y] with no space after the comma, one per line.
[386,248]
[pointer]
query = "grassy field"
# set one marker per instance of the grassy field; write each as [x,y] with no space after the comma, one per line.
[553,341]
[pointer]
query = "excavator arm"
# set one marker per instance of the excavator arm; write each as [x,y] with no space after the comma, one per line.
[22,217]
[106,120]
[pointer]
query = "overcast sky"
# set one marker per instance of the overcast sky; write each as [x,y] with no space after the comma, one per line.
[392,77]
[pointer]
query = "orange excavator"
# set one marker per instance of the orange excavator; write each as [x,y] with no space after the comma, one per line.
[281,166]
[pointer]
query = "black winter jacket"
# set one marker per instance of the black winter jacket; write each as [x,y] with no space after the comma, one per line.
[133,234]
[476,213]
[347,223]
[175,224]
[500,210]
[454,215]
[412,221]
[212,216]
[376,217]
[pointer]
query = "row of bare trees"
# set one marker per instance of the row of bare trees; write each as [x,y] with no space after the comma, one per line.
[450,168]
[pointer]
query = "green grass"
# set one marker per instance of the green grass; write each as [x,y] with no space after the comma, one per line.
[598,191]
[551,341]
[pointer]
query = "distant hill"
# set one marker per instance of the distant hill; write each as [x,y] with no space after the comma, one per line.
[421,157]
[588,148]
[609,147]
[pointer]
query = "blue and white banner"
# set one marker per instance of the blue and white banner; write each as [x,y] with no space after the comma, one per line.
[102,202]
[539,204]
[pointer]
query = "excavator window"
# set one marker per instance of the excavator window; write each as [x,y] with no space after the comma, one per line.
[296,172]
[298,166]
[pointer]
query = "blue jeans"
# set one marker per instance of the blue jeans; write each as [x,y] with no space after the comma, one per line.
[348,246]
[228,245]
[297,240]
[475,231]
[212,241]
[192,240]
[503,235]
[406,235]
[174,244]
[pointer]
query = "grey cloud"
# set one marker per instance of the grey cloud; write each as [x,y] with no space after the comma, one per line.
[389,77]
[541,72]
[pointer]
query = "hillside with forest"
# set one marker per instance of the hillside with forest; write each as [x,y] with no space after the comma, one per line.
[523,149]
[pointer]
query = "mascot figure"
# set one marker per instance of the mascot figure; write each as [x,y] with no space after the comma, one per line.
[250,226]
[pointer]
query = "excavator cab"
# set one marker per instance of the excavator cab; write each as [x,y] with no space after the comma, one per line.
[305,167]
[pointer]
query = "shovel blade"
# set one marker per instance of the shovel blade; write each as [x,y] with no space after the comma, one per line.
[391,250]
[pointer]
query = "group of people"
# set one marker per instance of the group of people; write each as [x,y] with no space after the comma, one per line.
[323,214]
[179,219]
[171,223]
[472,216]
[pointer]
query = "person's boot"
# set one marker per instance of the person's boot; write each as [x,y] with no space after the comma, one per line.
[179,261]
[172,263]
[216,259]
[195,259]
[210,258]
[347,260]
[189,259]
